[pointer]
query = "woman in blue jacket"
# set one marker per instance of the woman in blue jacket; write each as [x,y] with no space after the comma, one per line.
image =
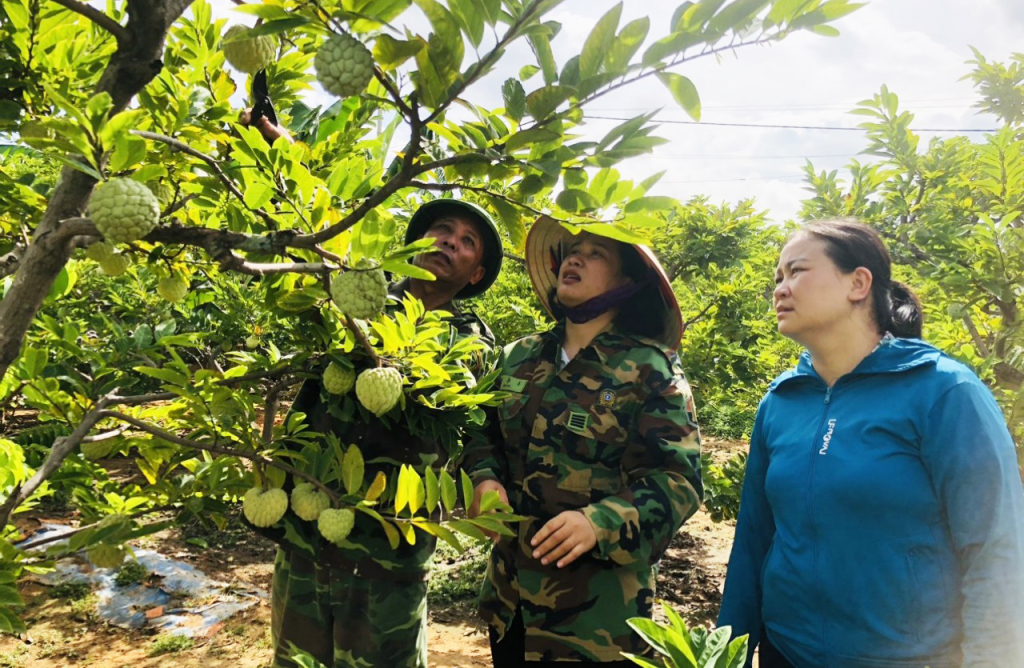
[882,516]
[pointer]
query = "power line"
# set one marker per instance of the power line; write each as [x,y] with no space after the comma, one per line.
[705,156]
[746,178]
[785,127]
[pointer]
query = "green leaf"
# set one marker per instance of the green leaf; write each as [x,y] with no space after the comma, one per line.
[627,44]
[527,71]
[165,374]
[684,92]
[449,496]
[301,299]
[128,152]
[511,220]
[595,48]
[402,489]
[257,194]
[470,19]
[825,30]
[265,12]
[515,99]
[352,470]
[467,488]
[543,101]
[389,52]
[541,45]
[433,490]
[406,269]
[377,487]
[626,129]
[275,26]
[577,201]
[653,203]
[445,48]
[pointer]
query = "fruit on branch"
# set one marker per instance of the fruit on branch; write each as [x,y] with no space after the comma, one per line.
[172,288]
[123,210]
[100,251]
[248,54]
[115,265]
[378,390]
[308,502]
[106,556]
[361,291]
[344,66]
[264,508]
[335,524]
[252,342]
[338,379]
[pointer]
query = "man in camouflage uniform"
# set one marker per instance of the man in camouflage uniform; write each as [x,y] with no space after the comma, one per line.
[364,604]
[601,453]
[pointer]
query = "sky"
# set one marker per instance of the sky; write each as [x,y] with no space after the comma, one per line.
[918,48]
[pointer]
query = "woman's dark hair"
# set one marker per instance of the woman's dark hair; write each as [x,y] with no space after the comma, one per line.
[850,245]
[644,313]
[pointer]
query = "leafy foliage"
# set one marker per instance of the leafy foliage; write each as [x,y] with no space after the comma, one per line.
[683,647]
[951,213]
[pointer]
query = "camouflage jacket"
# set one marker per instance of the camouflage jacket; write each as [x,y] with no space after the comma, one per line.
[385,445]
[614,435]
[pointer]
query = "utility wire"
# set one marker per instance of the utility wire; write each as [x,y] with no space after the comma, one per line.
[787,127]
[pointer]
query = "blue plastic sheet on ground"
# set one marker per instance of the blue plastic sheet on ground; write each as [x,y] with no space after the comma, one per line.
[193,603]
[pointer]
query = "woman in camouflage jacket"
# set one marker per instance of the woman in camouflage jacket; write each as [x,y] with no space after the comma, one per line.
[596,445]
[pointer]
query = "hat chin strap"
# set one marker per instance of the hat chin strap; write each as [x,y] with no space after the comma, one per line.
[602,303]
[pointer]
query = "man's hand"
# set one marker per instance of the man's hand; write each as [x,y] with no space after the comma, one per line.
[564,537]
[478,494]
[269,131]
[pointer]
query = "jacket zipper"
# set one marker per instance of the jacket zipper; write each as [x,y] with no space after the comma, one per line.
[814,524]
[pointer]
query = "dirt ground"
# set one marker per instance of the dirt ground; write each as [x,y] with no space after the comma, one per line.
[64,631]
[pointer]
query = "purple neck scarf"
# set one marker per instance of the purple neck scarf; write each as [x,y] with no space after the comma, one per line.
[595,306]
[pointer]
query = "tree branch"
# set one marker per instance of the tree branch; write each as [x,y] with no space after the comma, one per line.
[219,450]
[99,18]
[181,146]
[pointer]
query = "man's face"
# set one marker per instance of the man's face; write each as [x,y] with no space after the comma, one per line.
[459,251]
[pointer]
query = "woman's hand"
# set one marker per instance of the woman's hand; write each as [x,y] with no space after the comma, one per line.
[564,537]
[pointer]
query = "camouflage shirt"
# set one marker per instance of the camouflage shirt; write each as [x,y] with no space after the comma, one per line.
[613,434]
[385,447]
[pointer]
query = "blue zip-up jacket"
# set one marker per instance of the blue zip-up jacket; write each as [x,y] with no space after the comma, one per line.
[882,519]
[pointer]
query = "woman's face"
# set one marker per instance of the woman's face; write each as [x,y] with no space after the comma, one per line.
[591,267]
[812,295]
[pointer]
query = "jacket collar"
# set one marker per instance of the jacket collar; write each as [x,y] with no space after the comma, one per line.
[892,355]
[604,344]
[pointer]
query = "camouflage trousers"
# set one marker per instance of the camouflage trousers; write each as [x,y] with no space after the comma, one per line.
[346,619]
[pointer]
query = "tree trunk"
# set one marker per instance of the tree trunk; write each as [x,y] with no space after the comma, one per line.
[134,64]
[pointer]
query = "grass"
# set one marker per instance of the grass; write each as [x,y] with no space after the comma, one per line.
[71,591]
[131,573]
[13,659]
[85,608]
[456,577]
[170,644]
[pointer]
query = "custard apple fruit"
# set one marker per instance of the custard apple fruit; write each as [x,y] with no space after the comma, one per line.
[172,288]
[124,210]
[335,524]
[252,342]
[344,66]
[308,502]
[250,54]
[378,390]
[264,508]
[100,251]
[361,291]
[115,265]
[106,556]
[338,379]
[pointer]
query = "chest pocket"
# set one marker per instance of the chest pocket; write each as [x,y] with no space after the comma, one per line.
[510,413]
[593,441]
